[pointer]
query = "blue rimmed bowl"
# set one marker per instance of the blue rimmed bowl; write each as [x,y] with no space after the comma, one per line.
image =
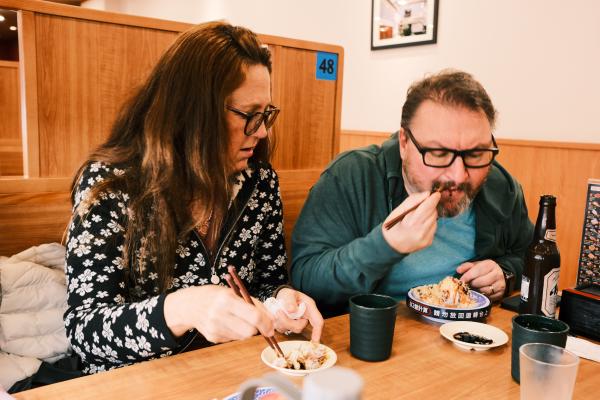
[436,313]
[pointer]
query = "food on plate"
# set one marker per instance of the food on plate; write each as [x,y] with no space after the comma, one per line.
[450,292]
[471,338]
[308,355]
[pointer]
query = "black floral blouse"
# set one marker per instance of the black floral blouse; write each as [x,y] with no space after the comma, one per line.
[114,319]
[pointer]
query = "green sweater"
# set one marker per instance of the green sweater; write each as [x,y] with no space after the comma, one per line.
[338,249]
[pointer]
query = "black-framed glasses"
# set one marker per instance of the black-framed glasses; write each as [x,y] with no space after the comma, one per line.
[256,119]
[442,158]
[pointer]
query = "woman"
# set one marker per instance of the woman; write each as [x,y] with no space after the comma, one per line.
[181,189]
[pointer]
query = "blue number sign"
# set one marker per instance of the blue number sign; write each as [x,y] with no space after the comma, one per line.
[327,66]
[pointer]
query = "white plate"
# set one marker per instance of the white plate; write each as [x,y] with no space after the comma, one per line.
[268,356]
[449,329]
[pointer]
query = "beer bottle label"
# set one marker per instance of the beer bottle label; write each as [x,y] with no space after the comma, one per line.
[550,235]
[550,293]
[525,288]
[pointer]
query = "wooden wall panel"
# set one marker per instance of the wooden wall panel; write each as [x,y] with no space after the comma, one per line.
[560,169]
[294,186]
[32,212]
[86,69]
[306,129]
[354,139]
[11,153]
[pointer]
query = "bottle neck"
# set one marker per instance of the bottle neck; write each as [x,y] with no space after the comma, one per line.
[545,226]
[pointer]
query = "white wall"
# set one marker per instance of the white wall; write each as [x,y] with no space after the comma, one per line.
[538,59]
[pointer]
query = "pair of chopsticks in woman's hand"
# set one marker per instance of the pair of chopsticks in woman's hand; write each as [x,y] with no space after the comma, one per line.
[438,187]
[235,283]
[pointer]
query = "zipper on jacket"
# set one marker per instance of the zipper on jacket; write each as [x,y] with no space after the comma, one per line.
[213,263]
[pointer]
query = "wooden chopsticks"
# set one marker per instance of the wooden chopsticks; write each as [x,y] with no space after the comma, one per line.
[436,188]
[235,283]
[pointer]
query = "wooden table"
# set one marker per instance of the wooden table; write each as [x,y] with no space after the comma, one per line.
[423,365]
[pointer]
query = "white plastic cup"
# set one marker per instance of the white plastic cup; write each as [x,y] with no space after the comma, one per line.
[336,383]
[548,372]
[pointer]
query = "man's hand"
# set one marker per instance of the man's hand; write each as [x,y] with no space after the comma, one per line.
[417,229]
[485,276]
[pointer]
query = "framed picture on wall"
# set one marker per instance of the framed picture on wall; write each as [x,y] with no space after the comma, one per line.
[399,23]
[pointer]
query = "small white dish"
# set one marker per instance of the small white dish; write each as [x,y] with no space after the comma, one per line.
[268,356]
[497,336]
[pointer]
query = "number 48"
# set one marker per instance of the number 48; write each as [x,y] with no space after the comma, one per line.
[327,66]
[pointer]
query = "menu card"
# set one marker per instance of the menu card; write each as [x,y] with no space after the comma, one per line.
[589,257]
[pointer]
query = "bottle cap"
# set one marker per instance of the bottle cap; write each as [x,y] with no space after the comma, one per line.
[547,199]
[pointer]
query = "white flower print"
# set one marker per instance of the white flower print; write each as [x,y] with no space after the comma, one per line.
[73,284]
[79,333]
[252,204]
[280,260]
[183,251]
[245,234]
[82,250]
[256,228]
[72,243]
[200,260]
[153,332]
[142,322]
[107,331]
[128,330]
[114,226]
[188,277]
[87,275]
[143,343]
[131,344]
[84,288]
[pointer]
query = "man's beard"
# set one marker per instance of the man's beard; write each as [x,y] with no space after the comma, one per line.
[445,207]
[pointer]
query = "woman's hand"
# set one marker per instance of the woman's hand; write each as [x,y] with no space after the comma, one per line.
[217,313]
[290,299]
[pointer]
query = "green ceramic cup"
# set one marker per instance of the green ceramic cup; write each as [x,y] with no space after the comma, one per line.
[529,328]
[372,321]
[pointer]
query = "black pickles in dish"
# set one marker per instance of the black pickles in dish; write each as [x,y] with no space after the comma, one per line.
[471,338]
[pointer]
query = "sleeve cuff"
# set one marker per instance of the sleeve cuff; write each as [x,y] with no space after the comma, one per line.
[158,321]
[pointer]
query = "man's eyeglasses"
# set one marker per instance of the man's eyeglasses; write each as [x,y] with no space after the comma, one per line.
[256,119]
[443,158]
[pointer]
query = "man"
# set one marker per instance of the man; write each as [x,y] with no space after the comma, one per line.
[476,228]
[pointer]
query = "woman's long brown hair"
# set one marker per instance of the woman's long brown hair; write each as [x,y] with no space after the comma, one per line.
[172,139]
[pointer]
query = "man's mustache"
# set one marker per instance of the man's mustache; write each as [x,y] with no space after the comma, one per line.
[451,185]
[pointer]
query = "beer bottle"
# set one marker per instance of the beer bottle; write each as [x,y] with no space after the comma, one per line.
[539,287]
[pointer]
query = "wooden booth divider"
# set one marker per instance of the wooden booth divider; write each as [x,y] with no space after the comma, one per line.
[76,68]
